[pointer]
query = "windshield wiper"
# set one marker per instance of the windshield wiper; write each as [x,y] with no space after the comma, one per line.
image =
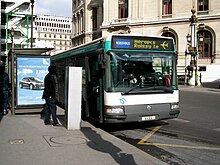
[126,92]
[165,89]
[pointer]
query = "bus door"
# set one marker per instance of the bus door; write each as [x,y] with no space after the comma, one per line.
[94,91]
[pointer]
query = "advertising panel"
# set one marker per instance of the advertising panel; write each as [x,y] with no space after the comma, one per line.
[30,79]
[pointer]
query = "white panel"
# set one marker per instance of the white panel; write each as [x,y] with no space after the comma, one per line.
[118,99]
[73,107]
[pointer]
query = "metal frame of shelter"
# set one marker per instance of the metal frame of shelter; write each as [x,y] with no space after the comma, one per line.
[12,56]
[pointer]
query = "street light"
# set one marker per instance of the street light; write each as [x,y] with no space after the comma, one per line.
[12,72]
[188,38]
[32,6]
[192,39]
[201,40]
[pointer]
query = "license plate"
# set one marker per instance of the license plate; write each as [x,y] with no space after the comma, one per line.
[146,118]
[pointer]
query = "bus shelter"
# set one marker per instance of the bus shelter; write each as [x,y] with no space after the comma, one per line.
[27,68]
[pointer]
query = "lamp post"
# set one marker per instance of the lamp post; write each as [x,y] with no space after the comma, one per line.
[32,7]
[12,72]
[193,48]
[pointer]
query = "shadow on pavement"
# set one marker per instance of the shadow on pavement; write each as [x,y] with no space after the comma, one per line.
[60,117]
[213,85]
[98,143]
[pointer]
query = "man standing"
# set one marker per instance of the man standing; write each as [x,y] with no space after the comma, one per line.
[4,83]
[49,94]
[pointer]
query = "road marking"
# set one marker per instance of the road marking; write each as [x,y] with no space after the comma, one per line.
[144,142]
[182,146]
[217,129]
[16,141]
[181,120]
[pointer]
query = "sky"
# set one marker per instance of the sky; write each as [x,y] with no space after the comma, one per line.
[54,7]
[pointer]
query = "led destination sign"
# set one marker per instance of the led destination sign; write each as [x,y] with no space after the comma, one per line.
[148,43]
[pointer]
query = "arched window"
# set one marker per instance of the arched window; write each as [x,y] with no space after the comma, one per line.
[205,44]
[169,34]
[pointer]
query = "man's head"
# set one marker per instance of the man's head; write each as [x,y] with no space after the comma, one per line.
[52,69]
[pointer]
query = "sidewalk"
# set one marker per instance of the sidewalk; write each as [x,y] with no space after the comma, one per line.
[198,88]
[25,140]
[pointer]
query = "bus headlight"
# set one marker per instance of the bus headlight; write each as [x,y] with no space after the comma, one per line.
[174,106]
[115,110]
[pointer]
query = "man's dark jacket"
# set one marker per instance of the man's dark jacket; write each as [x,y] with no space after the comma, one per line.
[49,86]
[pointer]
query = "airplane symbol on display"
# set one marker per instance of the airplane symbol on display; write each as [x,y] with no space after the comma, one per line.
[164,45]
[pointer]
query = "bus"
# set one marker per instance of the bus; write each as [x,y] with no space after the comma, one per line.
[125,78]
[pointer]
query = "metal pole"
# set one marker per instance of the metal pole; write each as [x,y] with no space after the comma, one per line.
[12,74]
[185,78]
[27,23]
[194,45]
[32,6]
[7,33]
[194,42]
[196,74]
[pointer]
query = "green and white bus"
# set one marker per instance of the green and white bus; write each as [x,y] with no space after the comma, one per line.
[126,78]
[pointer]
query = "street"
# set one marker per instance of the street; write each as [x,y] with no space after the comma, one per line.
[192,138]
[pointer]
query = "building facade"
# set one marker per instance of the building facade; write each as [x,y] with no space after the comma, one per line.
[87,20]
[53,31]
[160,18]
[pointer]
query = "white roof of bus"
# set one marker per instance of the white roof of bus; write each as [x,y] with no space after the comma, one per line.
[109,36]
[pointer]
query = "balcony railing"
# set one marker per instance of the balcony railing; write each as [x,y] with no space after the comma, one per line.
[120,20]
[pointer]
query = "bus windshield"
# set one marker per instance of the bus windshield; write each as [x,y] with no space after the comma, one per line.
[140,71]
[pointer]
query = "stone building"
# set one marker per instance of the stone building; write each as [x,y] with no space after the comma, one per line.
[87,20]
[53,32]
[152,17]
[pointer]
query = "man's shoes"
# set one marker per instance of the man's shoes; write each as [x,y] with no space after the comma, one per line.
[5,112]
[57,125]
[47,123]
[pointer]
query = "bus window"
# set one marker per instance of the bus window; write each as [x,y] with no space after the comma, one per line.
[129,70]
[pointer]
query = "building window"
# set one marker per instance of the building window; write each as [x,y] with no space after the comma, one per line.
[205,45]
[169,34]
[122,8]
[167,7]
[203,7]
[94,19]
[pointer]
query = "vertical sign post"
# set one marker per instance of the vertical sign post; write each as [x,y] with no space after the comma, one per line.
[73,93]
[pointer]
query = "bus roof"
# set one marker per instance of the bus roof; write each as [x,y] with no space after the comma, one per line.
[137,42]
[81,49]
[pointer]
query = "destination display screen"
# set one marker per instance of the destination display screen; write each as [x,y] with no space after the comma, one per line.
[141,43]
